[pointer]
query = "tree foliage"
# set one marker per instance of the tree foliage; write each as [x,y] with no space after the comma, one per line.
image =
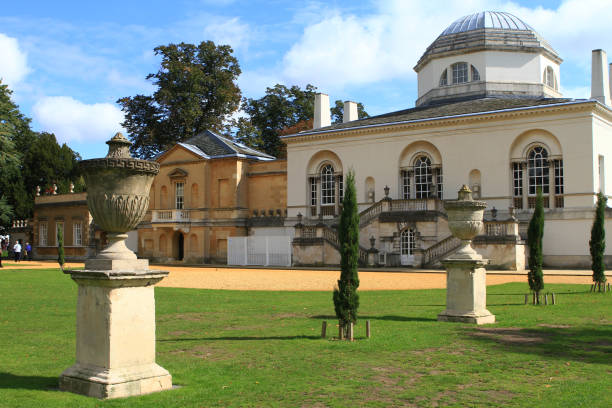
[280,108]
[29,159]
[535,234]
[6,212]
[597,243]
[337,111]
[195,90]
[346,298]
[281,111]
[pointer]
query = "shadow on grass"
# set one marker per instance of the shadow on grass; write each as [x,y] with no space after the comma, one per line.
[587,345]
[242,338]
[27,382]
[388,318]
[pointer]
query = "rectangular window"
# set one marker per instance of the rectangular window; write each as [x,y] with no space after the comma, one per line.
[59,225]
[559,177]
[179,195]
[328,190]
[517,184]
[341,188]
[405,185]
[460,73]
[313,191]
[439,183]
[42,234]
[77,234]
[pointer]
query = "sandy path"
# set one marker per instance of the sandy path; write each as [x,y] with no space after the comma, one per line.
[300,279]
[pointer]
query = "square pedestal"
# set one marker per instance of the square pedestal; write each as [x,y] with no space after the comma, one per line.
[466,292]
[115,347]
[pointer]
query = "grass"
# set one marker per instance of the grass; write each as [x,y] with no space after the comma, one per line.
[262,349]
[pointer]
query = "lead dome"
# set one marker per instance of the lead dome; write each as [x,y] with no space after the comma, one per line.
[500,55]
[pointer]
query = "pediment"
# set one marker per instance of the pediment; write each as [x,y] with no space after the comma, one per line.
[178,173]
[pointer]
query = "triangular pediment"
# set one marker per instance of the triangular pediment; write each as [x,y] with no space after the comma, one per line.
[177,173]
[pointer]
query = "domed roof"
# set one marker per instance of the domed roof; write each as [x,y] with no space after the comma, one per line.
[487,30]
[487,19]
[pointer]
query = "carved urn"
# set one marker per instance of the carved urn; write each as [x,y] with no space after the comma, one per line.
[465,221]
[118,188]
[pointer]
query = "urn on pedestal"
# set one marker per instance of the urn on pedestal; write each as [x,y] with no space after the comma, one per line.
[466,287]
[115,347]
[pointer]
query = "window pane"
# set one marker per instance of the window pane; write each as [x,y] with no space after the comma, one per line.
[460,73]
[537,162]
[328,186]
[475,74]
[444,78]
[405,184]
[422,177]
[180,198]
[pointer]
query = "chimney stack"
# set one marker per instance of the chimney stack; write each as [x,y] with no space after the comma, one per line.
[322,115]
[600,80]
[350,112]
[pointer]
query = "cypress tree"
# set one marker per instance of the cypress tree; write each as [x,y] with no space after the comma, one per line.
[597,243]
[534,239]
[60,249]
[346,299]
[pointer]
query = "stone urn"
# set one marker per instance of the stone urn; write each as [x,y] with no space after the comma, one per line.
[118,194]
[465,221]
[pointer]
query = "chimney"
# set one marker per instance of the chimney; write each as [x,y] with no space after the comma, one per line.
[610,76]
[350,112]
[600,81]
[322,115]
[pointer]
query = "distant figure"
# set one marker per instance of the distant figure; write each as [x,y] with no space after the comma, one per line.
[28,249]
[2,249]
[17,251]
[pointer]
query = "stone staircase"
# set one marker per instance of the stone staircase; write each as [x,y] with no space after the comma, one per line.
[440,250]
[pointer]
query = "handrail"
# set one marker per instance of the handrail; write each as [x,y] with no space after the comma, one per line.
[440,248]
[411,204]
[331,236]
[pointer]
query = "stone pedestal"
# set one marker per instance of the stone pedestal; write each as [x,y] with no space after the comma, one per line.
[466,292]
[115,347]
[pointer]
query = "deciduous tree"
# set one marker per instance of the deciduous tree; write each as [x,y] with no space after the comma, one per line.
[196,90]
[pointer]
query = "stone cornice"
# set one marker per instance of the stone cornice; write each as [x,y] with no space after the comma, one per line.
[454,120]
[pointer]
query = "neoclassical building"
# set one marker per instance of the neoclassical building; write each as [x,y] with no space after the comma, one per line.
[489,114]
[208,190]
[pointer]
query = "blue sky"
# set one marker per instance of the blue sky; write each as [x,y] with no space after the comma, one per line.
[69,61]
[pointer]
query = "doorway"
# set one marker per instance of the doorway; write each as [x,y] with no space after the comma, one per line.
[178,247]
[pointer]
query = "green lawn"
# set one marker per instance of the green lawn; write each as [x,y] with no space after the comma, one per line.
[262,349]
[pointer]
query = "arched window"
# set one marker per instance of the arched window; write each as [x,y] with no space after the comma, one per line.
[408,243]
[444,78]
[328,185]
[422,176]
[475,74]
[539,175]
[460,72]
[549,77]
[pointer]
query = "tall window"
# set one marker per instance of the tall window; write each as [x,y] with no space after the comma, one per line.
[408,243]
[313,191]
[405,184]
[59,225]
[460,72]
[340,188]
[475,74]
[549,77]
[422,176]
[517,185]
[444,78]
[179,195]
[559,190]
[537,163]
[439,183]
[328,185]
[42,234]
[77,234]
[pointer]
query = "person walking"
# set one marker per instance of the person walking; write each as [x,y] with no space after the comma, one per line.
[2,249]
[17,251]
[28,248]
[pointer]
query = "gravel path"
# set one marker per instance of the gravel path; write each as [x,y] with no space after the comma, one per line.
[300,279]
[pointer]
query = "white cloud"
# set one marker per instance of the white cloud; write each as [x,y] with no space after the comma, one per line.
[229,31]
[13,64]
[74,121]
[345,49]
